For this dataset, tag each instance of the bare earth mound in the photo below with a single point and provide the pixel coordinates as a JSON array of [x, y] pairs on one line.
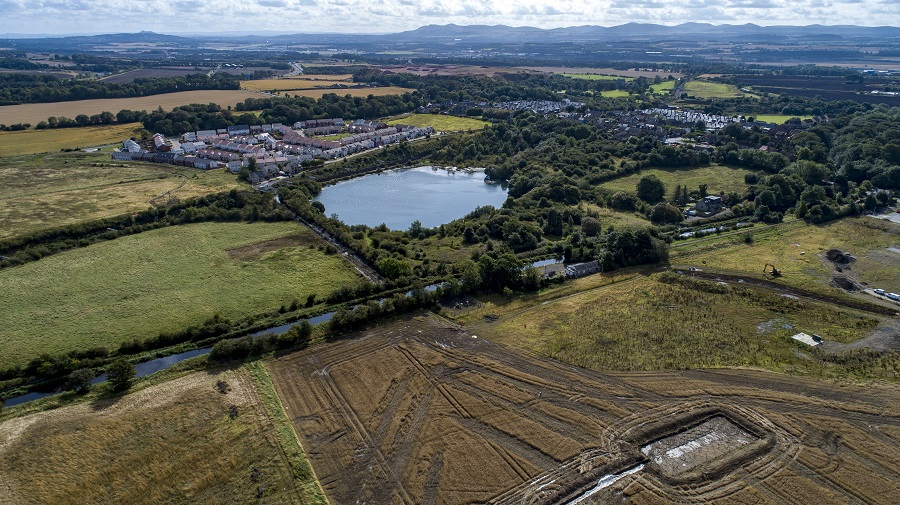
[[422, 411]]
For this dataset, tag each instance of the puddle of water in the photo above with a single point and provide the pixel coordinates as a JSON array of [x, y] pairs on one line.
[[604, 482]]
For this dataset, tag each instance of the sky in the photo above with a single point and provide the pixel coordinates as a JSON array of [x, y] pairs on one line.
[[386, 16]]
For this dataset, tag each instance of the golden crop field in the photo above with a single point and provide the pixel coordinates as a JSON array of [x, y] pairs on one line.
[[207, 437], [36, 112], [42, 141]]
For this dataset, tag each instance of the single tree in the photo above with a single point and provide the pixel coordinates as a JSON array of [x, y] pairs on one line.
[[650, 189], [590, 226], [80, 380], [119, 374]]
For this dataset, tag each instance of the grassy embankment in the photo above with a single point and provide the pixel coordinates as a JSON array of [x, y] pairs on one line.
[[173, 442], [440, 122], [45, 191], [42, 141], [159, 281], [716, 177], [36, 112]]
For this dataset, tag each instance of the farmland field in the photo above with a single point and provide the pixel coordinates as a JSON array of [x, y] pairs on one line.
[[716, 177], [605, 71], [597, 77], [42, 141], [396, 414], [154, 73], [292, 83], [828, 88], [360, 92], [36, 112], [321, 77], [662, 88], [169, 443], [615, 93], [440, 122], [45, 191], [776, 118], [705, 89], [159, 281]]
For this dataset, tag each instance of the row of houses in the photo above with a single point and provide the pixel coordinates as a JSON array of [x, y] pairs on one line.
[[235, 147], [538, 106], [226, 133], [168, 158]]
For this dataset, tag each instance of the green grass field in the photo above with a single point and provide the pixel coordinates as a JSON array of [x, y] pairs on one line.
[[775, 118], [159, 281], [440, 122], [42, 141], [44, 191], [596, 77], [716, 177], [645, 324], [796, 249], [619, 219], [615, 93], [663, 88], [705, 89]]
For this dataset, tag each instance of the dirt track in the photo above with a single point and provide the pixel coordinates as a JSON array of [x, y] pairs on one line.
[[421, 411]]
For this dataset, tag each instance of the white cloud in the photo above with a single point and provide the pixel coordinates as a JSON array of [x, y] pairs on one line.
[[381, 16]]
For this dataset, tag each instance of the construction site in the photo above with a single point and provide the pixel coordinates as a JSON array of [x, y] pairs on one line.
[[424, 411]]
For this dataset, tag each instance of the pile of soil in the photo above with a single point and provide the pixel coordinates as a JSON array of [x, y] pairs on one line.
[[837, 256], [846, 283]]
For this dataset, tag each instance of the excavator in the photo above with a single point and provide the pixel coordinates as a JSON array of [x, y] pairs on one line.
[[775, 272]]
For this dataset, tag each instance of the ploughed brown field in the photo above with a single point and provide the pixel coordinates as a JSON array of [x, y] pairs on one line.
[[423, 411]]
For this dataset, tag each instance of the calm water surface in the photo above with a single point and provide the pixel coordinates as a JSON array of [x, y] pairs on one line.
[[399, 197]]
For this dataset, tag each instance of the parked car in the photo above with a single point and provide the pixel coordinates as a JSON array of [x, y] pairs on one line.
[[894, 296], [879, 291]]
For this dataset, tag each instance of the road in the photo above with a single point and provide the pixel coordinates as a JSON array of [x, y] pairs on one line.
[[298, 70]]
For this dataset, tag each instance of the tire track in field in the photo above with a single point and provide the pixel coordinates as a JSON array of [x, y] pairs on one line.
[[340, 402], [169, 192]]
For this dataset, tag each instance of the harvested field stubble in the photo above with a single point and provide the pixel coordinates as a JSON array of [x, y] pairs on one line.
[[172, 443], [421, 411]]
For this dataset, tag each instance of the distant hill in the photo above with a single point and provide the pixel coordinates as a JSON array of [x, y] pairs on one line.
[[638, 31], [451, 34]]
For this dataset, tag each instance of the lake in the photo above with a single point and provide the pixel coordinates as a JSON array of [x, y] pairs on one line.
[[399, 197]]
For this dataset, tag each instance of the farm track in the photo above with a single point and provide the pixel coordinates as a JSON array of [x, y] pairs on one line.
[[398, 413], [790, 290], [168, 193]]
